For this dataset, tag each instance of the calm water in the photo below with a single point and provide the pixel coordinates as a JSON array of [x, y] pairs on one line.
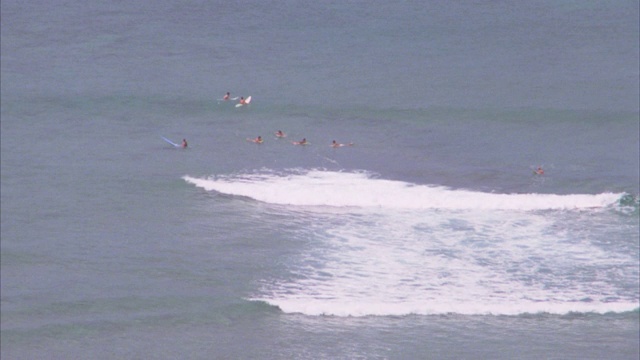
[[430, 237]]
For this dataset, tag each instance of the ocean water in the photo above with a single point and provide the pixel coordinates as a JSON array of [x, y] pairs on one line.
[[429, 238]]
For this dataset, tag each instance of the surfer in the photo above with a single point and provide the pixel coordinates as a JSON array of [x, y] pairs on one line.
[[184, 143], [242, 101], [539, 171], [280, 134], [226, 96], [335, 144], [301, 142], [257, 140]]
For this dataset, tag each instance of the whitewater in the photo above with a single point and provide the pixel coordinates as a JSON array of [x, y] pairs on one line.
[[389, 248], [359, 189]]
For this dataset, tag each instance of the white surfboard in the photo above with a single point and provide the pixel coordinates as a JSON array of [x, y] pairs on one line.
[[246, 101], [169, 141]]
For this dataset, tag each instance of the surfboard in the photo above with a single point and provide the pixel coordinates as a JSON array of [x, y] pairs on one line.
[[233, 98], [341, 145], [169, 141], [246, 101]]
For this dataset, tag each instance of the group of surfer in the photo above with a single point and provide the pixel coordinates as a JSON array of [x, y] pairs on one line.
[[241, 100], [279, 134]]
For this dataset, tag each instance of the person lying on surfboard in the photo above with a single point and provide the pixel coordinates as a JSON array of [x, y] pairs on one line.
[[184, 143], [539, 171], [226, 96], [301, 142], [335, 144], [257, 140], [280, 134]]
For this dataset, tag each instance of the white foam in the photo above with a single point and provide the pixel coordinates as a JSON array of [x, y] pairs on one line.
[[398, 248], [314, 307], [465, 263], [341, 189]]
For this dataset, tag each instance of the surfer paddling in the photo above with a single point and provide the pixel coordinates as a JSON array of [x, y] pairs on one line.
[[301, 142], [243, 101], [226, 96], [336, 144], [539, 171], [184, 143], [257, 140], [280, 134]]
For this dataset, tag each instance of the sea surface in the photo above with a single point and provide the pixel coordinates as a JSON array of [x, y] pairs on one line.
[[427, 236]]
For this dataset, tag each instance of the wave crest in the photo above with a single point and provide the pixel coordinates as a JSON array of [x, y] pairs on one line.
[[360, 189]]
